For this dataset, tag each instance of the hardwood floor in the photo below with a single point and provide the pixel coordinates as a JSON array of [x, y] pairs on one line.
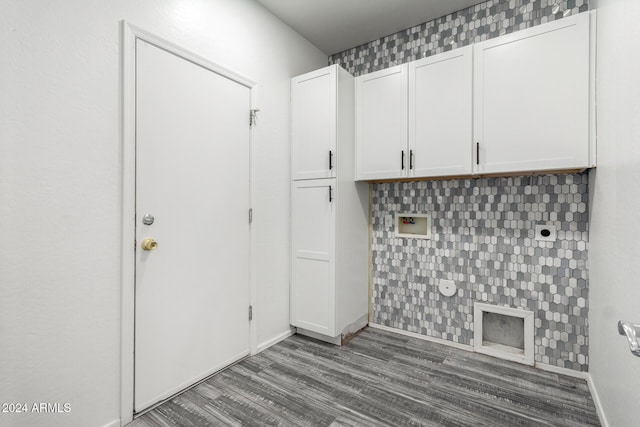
[[378, 379]]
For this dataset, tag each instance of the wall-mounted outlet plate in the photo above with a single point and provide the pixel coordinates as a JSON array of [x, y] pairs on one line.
[[413, 225], [546, 233]]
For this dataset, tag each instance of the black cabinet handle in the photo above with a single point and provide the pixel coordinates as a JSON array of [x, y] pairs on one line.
[[402, 160], [330, 159], [330, 194], [410, 159], [477, 153]]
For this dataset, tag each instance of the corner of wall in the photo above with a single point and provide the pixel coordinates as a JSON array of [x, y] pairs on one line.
[[596, 400]]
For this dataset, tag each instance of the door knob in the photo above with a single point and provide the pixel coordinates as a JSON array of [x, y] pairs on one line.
[[149, 244], [632, 332]]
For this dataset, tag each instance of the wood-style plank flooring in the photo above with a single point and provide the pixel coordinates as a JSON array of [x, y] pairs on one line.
[[378, 379]]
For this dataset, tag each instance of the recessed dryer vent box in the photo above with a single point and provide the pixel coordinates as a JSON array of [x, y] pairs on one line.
[[503, 332], [413, 225]]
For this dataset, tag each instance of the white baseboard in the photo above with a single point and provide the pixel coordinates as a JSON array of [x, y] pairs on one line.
[[541, 366], [114, 423], [596, 400], [562, 371], [275, 340], [422, 337]]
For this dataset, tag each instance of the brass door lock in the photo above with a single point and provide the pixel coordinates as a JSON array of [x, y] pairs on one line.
[[149, 244]]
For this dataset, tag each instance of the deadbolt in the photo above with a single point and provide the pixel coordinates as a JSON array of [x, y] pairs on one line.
[[149, 244], [148, 219]]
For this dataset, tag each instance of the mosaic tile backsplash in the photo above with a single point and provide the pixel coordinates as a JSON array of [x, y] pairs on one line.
[[477, 23], [483, 238]]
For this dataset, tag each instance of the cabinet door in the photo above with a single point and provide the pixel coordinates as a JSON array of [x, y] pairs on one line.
[[313, 252], [313, 124], [381, 124], [532, 98], [440, 114]]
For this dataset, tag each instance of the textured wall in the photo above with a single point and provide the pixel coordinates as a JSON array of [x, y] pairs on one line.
[[60, 171], [483, 239], [480, 22], [614, 226]]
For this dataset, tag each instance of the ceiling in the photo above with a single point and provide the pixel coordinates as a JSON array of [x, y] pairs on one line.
[[337, 25]]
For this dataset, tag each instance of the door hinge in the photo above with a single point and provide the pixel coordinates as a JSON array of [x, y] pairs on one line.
[[250, 215], [253, 116], [250, 312]]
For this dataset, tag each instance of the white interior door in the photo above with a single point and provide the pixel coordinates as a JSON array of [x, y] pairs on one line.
[[192, 176]]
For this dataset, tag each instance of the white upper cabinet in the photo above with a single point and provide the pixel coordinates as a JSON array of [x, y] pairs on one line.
[[516, 103], [440, 114], [531, 96], [381, 124], [313, 124]]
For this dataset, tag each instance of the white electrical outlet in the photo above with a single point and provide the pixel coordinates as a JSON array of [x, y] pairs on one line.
[[546, 233]]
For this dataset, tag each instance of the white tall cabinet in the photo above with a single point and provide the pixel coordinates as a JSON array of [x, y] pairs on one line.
[[329, 211]]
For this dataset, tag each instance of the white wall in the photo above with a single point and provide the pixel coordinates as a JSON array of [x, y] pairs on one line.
[[60, 193], [614, 289]]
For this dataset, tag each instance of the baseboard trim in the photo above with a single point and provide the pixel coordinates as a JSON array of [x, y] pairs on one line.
[[562, 371], [541, 366], [275, 340], [596, 400], [422, 337], [114, 423]]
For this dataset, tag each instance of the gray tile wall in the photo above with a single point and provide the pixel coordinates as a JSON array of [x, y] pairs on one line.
[[483, 238], [482, 228], [480, 22]]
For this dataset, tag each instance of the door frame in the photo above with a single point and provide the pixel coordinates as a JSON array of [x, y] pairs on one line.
[[129, 35]]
